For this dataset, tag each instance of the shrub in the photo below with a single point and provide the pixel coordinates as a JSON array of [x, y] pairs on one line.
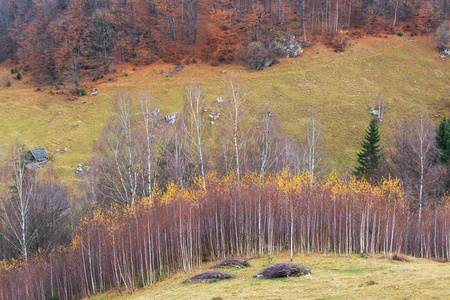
[[283, 270], [338, 41], [232, 262], [194, 60], [442, 36], [210, 276], [82, 92], [5, 81], [18, 76], [256, 56], [241, 55], [140, 280], [275, 51], [205, 255], [161, 276], [400, 33], [357, 33]]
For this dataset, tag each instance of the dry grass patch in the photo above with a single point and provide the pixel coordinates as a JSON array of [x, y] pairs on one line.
[[341, 87], [332, 277]]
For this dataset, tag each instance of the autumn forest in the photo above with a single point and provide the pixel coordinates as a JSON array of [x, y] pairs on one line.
[[165, 193], [66, 41]]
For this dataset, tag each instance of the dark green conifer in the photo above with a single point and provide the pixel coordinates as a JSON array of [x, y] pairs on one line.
[[443, 140], [369, 156]]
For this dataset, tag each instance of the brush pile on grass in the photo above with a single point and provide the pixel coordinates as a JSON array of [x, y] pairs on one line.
[[398, 257], [283, 270], [210, 276], [232, 262]]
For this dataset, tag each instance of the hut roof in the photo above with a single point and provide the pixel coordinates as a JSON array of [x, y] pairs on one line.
[[38, 154]]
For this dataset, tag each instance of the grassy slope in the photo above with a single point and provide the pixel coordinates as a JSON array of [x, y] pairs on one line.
[[339, 86], [332, 277]]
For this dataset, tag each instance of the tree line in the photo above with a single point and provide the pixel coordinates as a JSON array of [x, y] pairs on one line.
[[126, 248], [66, 41]]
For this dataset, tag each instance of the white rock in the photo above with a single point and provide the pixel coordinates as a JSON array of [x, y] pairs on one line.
[[156, 112]]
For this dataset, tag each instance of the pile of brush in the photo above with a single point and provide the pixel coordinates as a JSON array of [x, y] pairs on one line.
[[398, 257], [283, 270], [210, 276], [232, 262]]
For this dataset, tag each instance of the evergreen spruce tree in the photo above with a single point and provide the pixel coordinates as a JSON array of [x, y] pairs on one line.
[[369, 156], [443, 140]]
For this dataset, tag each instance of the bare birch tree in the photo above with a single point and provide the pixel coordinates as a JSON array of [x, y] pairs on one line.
[[313, 145], [149, 117], [194, 125], [51, 212], [381, 106], [267, 142], [414, 157], [235, 114], [119, 154], [16, 201], [175, 165], [396, 5]]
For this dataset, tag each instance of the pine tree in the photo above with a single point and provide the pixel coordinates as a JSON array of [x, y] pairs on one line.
[[369, 156], [443, 139]]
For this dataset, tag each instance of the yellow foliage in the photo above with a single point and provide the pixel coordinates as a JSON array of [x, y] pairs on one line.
[[172, 190]]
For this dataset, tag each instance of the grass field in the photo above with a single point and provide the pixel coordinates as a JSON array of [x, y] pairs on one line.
[[341, 87], [332, 277]]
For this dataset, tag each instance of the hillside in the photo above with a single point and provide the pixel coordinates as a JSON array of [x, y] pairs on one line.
[[341, 87], [332, 277]]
